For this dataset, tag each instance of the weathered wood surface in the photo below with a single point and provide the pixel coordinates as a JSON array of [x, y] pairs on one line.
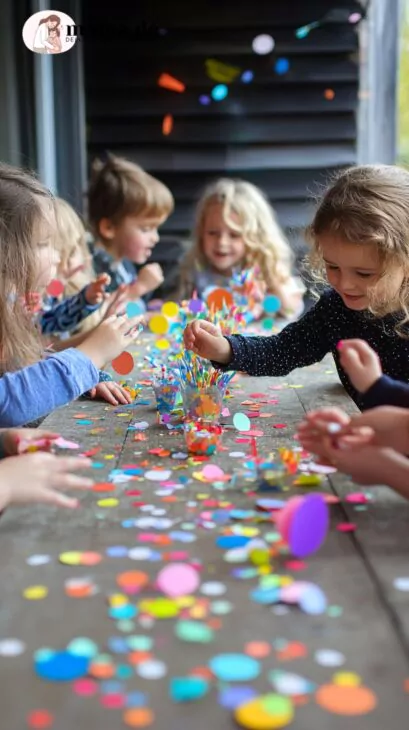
[[356, 571]]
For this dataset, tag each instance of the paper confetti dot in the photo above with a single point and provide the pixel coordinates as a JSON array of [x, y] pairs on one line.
[[40, 719], [346, 527], [194, 631], [109, 502], [265, 713], [55, 288], [329, 658], [213, 588], [11, 647], [346, 700], [258, 649], [61, 666], [133, 309], [401, 584], [153, 669], [35, 593], [138, 717], [271, 304], [158, 475], [219, 297], [158, 324], [82, 646], [170, 309], [234, 667], [186, 689], [232, 697], [263, 44], [123, 364], [241, 422], [38, 559], [178, 579], [85, 687]]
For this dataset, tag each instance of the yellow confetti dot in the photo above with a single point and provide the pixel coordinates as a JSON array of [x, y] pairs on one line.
[[170, 309], [347, 679], [35, 593], [109, 456], [162, 344], [117, 599], [108, 502], [70, 558], [158, 324], [259, 556], [185, 601], [264, 570]]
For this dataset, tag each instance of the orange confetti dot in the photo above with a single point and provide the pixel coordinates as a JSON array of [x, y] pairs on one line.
[[329, 94], [104, 487], [134, 578], [166, 81], [257, 649], [293, 650], [218, 297], [90, 558], [167, 124], [346, 700], [81, 590], [406, 685], [123, 364], [101, 671], [138, 717], [137, 657], [40, 719], [203, 672]]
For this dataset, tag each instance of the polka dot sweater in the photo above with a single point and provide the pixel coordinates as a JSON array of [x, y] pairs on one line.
[[309, 339]]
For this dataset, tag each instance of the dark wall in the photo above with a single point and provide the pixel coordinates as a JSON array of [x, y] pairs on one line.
[[279, 131]]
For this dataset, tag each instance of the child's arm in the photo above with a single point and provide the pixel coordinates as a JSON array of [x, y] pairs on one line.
[[149, 279], [36, 390], [66, 315], [299, 344], [363, 367]]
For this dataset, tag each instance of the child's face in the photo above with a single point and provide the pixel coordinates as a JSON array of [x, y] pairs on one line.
[[223, 247], [353, 270], [134, 238], [47, 255]]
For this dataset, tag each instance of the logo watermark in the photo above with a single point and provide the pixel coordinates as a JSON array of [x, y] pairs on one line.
[[50, 32]]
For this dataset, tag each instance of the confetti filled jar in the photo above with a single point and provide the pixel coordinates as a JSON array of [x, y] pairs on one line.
[[203, 403], [166, 394], [202, 437]]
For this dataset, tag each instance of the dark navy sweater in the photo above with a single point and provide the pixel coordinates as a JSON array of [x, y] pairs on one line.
[[309, 339]]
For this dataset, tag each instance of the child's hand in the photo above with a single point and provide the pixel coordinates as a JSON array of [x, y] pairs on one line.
[[388, 424], [206, 340], [110, 338], [319, 427], [35, 477], [360, 362], [112, 392], [17, 440], [366, 465], [149, 278], [95, 292], [116, 302]]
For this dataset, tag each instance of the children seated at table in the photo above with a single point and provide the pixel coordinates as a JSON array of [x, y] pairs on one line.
[[360, 249], [236, 229], [126, 206], [30, 386]]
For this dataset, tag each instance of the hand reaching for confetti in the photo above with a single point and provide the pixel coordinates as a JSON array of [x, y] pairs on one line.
[[95, 292], [47, 474], [360, 362], [111, 392], [116, 302], [18, 440], [206, 340]]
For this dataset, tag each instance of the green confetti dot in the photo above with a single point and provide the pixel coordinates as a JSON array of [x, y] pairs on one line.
[[335, 611], [126, 625], [140, 643], [194, 631], [83, 647]]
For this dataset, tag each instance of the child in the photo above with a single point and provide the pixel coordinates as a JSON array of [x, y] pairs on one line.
[[126, 206], [369, 447], [47, 473], [31, 387], [360, 237], [236, 229]]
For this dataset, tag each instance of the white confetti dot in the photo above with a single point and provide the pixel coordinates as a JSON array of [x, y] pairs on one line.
[[139, 553], [213, 588], [158, 475], [38, 559], [11, 647], [329, 658], [153, 669], [401, 584]]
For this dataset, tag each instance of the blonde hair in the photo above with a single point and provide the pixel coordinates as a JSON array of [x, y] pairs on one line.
[[119, 188], [24, 204], [368, 204], [264, 241], [71, 236]]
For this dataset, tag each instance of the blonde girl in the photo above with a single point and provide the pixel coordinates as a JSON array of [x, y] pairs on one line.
[[236, 228], [360, 249]]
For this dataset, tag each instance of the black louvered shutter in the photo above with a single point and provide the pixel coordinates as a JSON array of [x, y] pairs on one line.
[[281, 132]]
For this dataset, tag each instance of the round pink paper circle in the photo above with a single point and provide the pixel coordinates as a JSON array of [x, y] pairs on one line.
[[309, 526], [285, 516], [178, 579]]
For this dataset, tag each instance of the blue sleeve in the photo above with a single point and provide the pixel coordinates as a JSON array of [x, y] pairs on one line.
[[67, 315], [299, 344], [34, 391], [386, 392]]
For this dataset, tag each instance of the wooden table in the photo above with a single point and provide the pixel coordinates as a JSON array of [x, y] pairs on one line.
[[355, 570]]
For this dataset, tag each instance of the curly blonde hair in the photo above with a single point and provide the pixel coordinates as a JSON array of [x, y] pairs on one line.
[[368, 204], [265, 244], [25, 204]]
